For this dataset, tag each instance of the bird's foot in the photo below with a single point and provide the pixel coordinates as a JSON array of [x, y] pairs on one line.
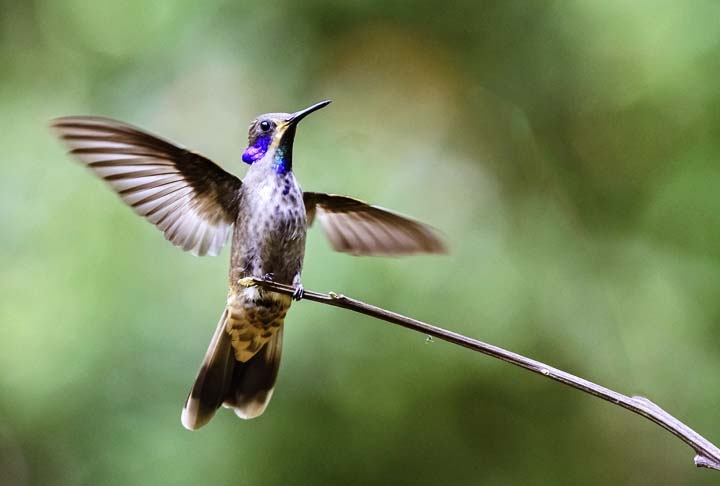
[[299, 292], [269, 277], [247, 282]]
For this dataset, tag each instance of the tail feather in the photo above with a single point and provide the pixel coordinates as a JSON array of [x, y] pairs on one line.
[[253, 382], [212, 381], [222, 380]]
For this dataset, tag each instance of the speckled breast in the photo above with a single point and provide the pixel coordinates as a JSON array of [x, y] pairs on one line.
[[269, 239]]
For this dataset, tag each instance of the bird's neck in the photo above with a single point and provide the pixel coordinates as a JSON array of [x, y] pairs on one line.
[[274, 153], [282, 159], [276, 164], [282, 155]]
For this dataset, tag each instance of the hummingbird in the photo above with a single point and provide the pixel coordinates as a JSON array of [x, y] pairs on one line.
[[198, 206]]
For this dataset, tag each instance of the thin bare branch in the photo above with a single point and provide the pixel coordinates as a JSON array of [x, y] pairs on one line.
[[707, 454]]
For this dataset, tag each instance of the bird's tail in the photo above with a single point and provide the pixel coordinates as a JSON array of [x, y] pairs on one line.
[[245, 387]]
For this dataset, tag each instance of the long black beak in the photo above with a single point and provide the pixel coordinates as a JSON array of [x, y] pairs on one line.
[[299, 115]]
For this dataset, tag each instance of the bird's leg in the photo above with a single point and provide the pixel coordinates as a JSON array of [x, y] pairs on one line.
[[250, 281], [299, 289], [299, 292]]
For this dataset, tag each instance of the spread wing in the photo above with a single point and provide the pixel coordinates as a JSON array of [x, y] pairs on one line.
[[193, 201], [355, 227]]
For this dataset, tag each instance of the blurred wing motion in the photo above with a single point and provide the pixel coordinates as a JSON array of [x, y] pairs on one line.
[[355, 227], [192, 200]]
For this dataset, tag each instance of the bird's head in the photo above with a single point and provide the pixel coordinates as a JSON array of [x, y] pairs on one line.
[[272, 135]]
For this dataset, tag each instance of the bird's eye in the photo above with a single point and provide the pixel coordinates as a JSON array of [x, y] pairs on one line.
[[265, 126]]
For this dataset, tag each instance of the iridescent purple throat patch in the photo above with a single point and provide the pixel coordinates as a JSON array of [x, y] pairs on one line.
[[256, 152]]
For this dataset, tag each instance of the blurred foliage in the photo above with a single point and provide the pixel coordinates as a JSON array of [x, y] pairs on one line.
[[567, 149]]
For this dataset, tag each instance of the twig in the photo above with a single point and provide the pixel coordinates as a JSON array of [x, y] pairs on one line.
[[707, 454]]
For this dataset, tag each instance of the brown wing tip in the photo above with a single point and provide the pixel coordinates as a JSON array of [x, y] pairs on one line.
[[437, 247], [62, 124], [56, 125], [72, 121], [435, 243]]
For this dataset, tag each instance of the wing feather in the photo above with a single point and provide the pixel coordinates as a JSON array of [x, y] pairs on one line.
[[353, 226], [192, 200]]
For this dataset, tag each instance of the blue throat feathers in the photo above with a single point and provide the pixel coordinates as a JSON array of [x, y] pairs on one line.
[[282, 159], [282, 162], [256, 151]]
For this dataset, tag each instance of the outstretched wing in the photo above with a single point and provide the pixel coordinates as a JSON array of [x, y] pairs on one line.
[[355, 227], [193, 201]]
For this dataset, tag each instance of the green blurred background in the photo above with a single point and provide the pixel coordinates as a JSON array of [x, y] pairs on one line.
[[568, 150]]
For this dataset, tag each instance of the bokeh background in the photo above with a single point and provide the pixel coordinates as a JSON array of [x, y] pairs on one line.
[[568, 151]]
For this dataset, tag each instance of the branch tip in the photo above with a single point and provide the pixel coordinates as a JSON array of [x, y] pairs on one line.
[[703, 461]]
